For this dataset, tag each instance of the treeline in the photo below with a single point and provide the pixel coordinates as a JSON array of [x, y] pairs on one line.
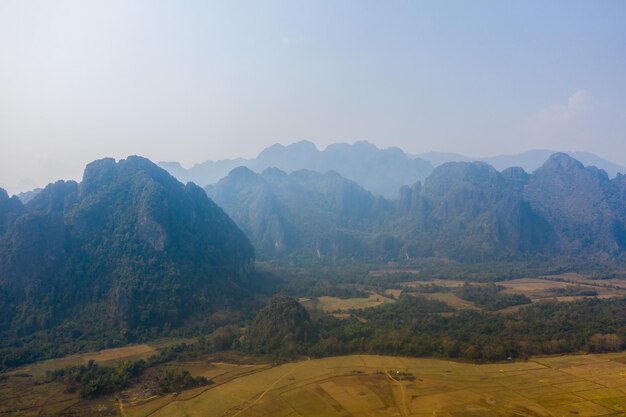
[[413, 326], [417, 326], [79, 337], [547, 328], [92, 380], [490, 296], [344, 279]]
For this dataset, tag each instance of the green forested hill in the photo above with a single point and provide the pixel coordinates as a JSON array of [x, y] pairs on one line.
[[585, 208], [466, 211], [128, 250], [303, 214]]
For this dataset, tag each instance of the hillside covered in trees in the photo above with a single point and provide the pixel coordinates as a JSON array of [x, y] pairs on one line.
[[129, 253], [465, 211]]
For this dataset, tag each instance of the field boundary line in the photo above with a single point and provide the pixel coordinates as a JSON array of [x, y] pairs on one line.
[[121, 408], [402, 393], [208, 388], [214, 385], [270, 387]]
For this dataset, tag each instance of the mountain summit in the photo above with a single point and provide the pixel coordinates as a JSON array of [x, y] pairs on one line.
[[128, 248], [380, 171], [462, 211]]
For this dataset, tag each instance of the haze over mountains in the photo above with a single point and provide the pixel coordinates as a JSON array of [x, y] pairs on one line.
[[132, 252], [529, 160], [381, 171], [302, 213], [463, 211]]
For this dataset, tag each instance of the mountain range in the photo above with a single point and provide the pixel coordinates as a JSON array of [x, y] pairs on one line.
[[462, 211], [380, 171], [130, 253], [529, 160]]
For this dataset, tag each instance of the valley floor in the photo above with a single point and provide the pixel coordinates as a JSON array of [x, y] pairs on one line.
[[357, 385], [362, 385]]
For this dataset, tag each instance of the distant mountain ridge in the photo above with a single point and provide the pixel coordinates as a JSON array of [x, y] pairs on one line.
[[381, 171], [462, 211], [529, 160]]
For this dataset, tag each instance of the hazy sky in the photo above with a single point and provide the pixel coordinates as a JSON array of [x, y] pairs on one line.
[[191, 81]]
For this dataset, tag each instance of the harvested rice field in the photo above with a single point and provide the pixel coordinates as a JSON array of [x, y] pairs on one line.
[[362, 385]]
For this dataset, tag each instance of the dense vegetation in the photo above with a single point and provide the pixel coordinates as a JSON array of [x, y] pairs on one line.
[[92, 380], [131, 254], [464, 211], [302, 215], [128, 254], [413, 326], [547, 328], [283, 326], [177, 380], [490, 297]]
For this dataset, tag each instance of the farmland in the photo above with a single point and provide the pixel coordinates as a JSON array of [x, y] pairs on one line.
[[106, 357], [25, 392], [562, 288], [357, 385], [435, 315], [342, 305], [343, 386], [362, 385]]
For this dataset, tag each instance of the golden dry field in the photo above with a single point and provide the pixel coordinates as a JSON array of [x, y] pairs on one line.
[[24, 393], [361, 385], [546, 287], [538, 289], [452, 300], [342, 305], [357, 385], [106, 357]]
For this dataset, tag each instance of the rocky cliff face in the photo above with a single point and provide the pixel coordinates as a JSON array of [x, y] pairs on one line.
[[463, 211], [305, 213], [581, 203], [128, 247], [468, 211]]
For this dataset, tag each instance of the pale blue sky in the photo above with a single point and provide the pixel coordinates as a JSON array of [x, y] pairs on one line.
[[191, 81]]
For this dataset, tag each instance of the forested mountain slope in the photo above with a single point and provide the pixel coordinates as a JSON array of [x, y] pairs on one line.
[[129, 249], [462, 211], [303, 213]]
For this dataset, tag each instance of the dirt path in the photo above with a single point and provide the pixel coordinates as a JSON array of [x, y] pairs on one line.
[[272, 385], [404, 411]]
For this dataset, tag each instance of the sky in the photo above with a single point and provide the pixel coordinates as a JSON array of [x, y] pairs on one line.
[[197, 80]]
